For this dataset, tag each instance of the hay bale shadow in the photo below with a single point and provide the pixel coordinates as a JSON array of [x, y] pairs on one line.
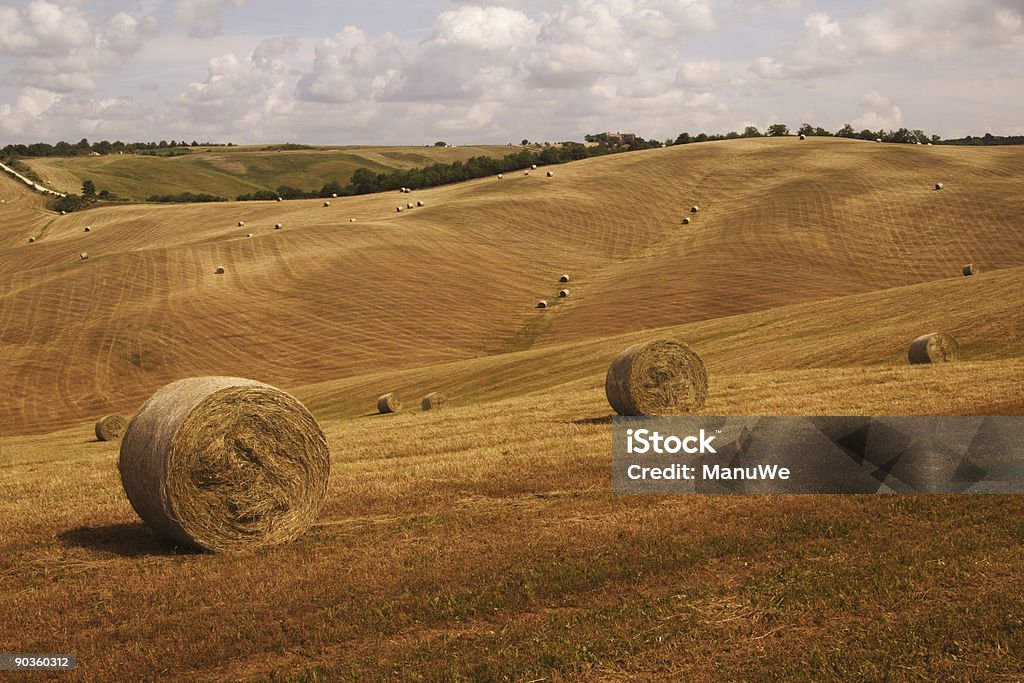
[[126, 540]]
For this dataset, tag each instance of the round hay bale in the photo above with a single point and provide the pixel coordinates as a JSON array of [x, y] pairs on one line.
[[84, 256], [563, 293], [277, 226], [542, 303], [351, 220], [878, 139], [326, 204], [63, 213], [420, 203], [939, 186], [533, 167], [280, 199], [410, 205], [937, 347], [334, 195], [88, 228], [219, 271], [501, 177], [694, 209], [564, 278], [660, 377], [551, 174], [802, 136], [249, 235], [110, 427], [435, 400], [31, 240], [526, 173], [686, 221], [969, 270], [241, 224], [398, 209], [224, 463], [388, 403]]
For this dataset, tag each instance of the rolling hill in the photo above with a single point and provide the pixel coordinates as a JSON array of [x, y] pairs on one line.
[[233, 171], [482, 542]]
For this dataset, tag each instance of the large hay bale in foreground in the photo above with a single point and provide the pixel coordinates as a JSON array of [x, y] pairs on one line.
[[969, 270], [435, 400], [660, 377], [110, 427], [224, 463], [937, 347], [388, 403]]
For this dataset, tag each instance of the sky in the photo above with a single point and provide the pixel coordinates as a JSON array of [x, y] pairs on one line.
[[498, 71]]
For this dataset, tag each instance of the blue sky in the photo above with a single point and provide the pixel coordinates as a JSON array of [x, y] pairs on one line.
[[415, 71]]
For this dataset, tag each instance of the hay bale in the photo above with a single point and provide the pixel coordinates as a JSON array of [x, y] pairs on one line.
[[533, 167], [686, 221], [564, 278], [878, 139], [334, 195], [420, 203], [224, 463], [802, 136], [542, 303], [84, 256], [219, 271], [63, 213], [501, 177], [351, 220], [969, 270], [277, 226], [563, 293], [435, 400], [398, 209], [326, 204], [388, 403], [694, 209], [280, 199], [110, 427], [410, 205], [939, 186], [660, 377], [551, 174], [31, 240], [241, 224], [249, 235], [88, 228], [937, 347], [526, 173]]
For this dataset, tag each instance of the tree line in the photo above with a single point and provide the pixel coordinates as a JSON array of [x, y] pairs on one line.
[[85, 148], [901, 136]]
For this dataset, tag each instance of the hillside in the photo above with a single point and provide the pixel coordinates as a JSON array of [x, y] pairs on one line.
[[233, 171], [482, 542]]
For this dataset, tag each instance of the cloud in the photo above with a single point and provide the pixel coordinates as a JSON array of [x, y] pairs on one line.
[[203, 17], [883, 114], [43, 27]]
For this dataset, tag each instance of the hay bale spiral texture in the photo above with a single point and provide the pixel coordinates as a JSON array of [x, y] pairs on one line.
[[224, 463], [660, 377], [937, 347], [388, 403], [110, 427], [435, 400]]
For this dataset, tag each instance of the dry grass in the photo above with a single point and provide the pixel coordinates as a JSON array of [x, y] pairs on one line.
[[481, 542]]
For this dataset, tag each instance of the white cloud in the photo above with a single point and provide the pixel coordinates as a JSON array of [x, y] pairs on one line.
[[43, 27], [203, 17]]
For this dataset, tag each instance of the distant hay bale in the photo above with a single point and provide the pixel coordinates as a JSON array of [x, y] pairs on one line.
[[563, 293], [31, 240], [224, 463], [435, 400], [501, 176], [410, 205], [937, 347], [686, 221], [694, 209], [351, 220], [564, 278], [398, 209], [241, 224], [939, 186], [542, 304], [219, 271], [280, 199], [84, 256], [88, 228], [249, 235], [660, 377], [533, 167], [969, 270], [878, 139], [326, 204], [526, 173], [802, 136], [277, 226], [420, 203], [388, 403], [334, 195], [63, 213], [110, 427], [551, 174]]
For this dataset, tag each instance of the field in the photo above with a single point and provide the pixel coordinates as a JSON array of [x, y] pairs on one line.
[[233, 171], [482, 542]]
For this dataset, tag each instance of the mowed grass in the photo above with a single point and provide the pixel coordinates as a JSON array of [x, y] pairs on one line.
[[481, 542], [230, 172]]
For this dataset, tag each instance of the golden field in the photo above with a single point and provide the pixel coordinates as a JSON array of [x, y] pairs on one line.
[[482, 542]]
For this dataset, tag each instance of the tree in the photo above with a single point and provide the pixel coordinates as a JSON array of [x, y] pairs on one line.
[[846, 132], [805, 129], [703, 137], [684, 139], [440, 143], [777, 129], [751, 132], [821, 132], [525, 142], [89, 189]]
